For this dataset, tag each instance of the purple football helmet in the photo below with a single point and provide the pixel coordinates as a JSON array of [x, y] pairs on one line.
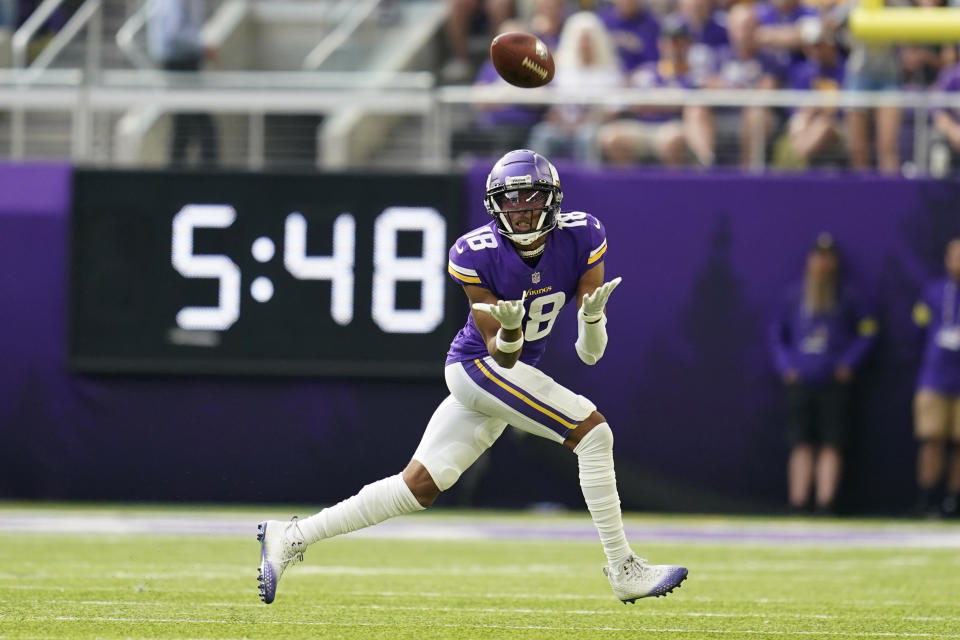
[[523, 181]]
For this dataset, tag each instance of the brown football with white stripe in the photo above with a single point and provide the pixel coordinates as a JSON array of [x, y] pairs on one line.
[[522, 59]]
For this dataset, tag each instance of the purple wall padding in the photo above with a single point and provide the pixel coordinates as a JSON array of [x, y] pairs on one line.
[[686, 383]]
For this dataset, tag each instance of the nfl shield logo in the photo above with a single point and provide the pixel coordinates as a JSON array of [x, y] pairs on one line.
[[535, 277]]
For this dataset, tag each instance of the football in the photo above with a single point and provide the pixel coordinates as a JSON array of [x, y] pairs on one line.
[[522, 59]]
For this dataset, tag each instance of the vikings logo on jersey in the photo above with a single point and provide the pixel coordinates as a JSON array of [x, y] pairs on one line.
[[484, 258]]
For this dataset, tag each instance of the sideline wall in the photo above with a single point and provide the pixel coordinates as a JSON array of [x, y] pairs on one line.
[[687, 382]]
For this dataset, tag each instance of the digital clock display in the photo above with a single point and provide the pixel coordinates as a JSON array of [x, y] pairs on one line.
[[220, 273]]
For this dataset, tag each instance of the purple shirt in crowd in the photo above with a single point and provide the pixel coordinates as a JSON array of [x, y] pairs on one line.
[[705, 45], [949, 80], [745, 73], [660, 75], [814, 345], [512, 115], [768, 15], [635, 38], [811, 75], [938, 310], [485, 258], [712, 33]]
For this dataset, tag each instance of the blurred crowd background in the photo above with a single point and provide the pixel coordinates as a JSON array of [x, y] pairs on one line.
[[611, 55], [713, 44]]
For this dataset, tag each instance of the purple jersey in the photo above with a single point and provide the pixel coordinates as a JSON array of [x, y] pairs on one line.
[[814, 345], [486, 259], [635, 37], [938, 310]]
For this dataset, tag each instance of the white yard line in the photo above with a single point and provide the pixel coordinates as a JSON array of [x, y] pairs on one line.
[[647, 629], [514, 610], [776, 532]]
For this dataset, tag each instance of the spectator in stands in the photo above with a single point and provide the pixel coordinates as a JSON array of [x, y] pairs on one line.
[[465, 17], [546, 21], [634, 31], [819, 339], [707, 33], [174, 36], [785, 26], [739, 65], [920, 67], [496, 127], [946, 123], [655, 131], [814, 133], [871, 67], [586, 61], [937, 401]]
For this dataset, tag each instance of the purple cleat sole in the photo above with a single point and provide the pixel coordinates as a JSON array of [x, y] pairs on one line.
[[668, 584]]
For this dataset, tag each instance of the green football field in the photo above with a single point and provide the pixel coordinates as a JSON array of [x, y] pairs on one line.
[[111, 572]]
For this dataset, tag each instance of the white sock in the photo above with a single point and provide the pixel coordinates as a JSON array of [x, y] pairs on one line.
[[599, 484], [374, 503]]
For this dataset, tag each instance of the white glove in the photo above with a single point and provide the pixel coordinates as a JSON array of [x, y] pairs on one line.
[[509, 313], [593, 303]]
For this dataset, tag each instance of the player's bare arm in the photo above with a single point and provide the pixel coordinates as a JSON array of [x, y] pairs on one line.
[[490, 328], [589, 282]]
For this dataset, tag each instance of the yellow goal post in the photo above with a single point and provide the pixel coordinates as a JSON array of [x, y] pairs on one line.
[[873, 22]]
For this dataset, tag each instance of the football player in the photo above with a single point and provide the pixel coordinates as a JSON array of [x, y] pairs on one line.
[[518, 271]]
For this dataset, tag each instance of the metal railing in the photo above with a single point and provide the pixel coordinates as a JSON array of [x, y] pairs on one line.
[[345, 28], [410, 94]]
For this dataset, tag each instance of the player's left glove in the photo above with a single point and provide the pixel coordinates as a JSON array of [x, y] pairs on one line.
[[593, 303], [509, 313], [592, 323]]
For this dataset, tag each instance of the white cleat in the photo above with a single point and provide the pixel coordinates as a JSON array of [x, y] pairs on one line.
[[634, 578], [281, 545]]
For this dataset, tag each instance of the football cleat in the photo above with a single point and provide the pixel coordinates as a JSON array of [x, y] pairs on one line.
[[281, 545], [634, 578]]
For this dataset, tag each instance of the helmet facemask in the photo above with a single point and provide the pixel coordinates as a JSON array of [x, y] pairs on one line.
[[524, 214]]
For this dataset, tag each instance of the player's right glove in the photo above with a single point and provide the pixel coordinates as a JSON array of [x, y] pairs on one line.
[[509, 313], [593, 303]]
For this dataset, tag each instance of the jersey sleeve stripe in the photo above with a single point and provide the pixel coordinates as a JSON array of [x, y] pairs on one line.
[[461, 270], [463, 278], [597, 253]]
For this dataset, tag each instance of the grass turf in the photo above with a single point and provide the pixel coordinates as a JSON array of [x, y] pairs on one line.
[[81, 586]]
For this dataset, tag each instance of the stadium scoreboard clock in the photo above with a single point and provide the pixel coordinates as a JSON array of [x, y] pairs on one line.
[[237, 273]]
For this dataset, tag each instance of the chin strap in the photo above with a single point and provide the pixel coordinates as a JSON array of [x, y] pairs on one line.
[[591, 337]]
